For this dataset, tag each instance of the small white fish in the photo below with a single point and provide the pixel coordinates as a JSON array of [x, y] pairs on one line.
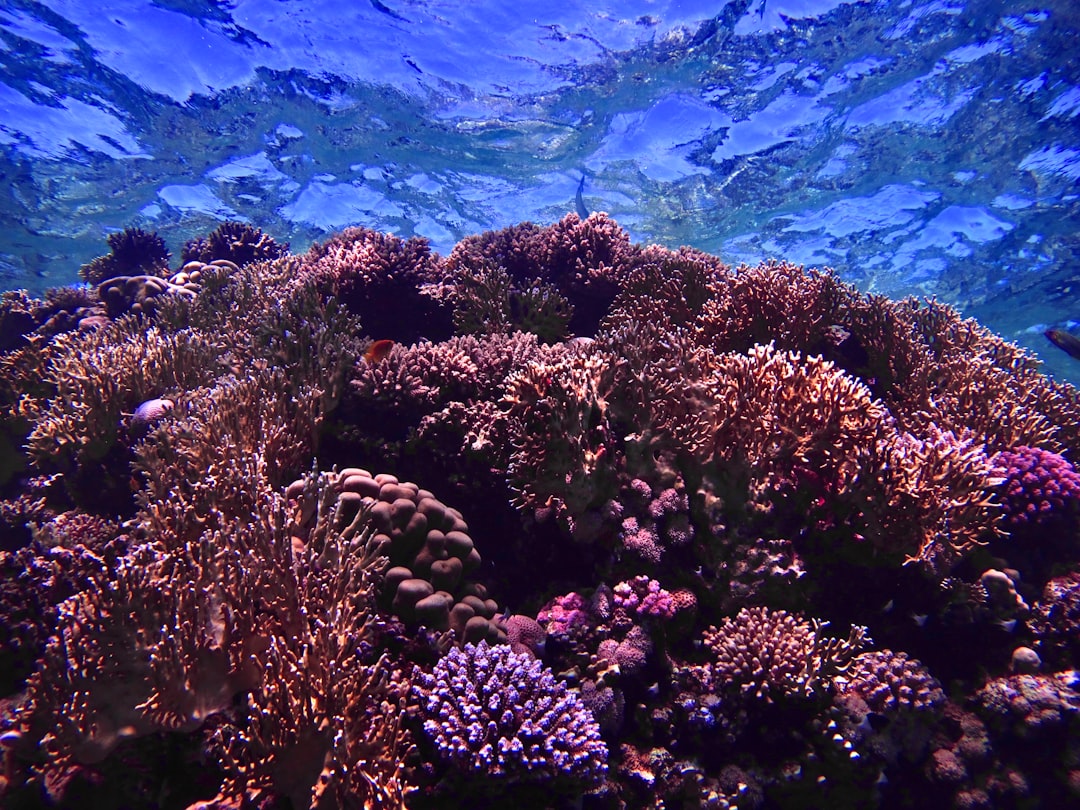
[[147, 414], [919, 619]]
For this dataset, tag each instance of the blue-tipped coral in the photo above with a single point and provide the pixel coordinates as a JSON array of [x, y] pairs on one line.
[[494, 713]]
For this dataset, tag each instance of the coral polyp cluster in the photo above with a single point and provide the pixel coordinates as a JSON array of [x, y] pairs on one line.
[[555, 520]]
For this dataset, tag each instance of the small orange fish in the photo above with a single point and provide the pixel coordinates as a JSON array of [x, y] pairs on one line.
[[1070, 344], [378, 350]]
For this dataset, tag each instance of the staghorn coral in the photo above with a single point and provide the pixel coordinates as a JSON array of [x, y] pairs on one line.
[[564, 450], [775, 302], [584, 260], [933, 499], [500, 715], [91, 379], [173, 631], [247, 621], [36, 579], [196, 470], [487, 300]]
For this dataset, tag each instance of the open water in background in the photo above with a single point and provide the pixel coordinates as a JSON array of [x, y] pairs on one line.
[[928, 148]]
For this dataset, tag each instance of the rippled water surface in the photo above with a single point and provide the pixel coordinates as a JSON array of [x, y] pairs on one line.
[[928, 148]]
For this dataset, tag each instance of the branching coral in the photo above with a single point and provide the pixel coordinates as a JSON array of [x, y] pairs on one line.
[[772, 654], [91, 379], [715, 457], [496, 714], [379, 277], [585, 261], [564, 456], [173, 632]]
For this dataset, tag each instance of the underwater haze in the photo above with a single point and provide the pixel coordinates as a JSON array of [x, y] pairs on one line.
[[927, 148]]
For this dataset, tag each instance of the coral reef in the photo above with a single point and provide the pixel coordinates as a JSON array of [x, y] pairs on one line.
[[736, 537]]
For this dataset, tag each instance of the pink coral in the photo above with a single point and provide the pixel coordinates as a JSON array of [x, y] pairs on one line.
[[569, 616], [642, 540], [645, 597], [1037, 487]]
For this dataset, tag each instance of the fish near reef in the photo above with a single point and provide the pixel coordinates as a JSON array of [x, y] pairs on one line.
[[1068, 343], [146, 415], [378, 350], [579, 201]]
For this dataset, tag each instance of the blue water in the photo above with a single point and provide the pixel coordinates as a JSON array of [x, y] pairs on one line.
[[928, 148]]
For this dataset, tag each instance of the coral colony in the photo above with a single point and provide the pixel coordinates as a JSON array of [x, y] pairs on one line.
[[555, 521]]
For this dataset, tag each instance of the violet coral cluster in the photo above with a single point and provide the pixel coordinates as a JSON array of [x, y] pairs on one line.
[[495, 713], [599, 524]]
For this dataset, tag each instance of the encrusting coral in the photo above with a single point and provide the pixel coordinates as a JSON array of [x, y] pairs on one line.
[[736, 537]]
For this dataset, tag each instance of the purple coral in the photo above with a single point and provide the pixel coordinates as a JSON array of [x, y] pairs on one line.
[[493, 712], [645, 597], [1037, 487], [642, 540]]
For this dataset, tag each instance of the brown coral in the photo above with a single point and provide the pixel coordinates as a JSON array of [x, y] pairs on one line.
[[771, 654], [91, 379], [380, 277], [430, 552]]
